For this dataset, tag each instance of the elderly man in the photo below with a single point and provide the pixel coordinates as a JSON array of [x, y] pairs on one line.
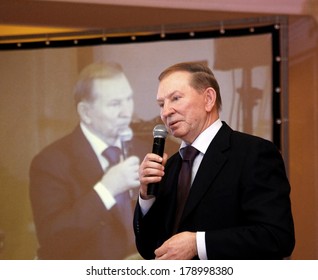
[[235, 205], [80, 185]]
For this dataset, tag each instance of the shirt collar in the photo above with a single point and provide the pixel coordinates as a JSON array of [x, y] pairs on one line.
[[202, 142], [97, 144]]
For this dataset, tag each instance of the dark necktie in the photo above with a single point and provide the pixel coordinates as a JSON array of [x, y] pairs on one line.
[[112, 154], [184, 181]]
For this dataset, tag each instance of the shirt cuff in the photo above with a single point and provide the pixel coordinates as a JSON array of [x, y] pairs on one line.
[[145, 204], [106, 197], [201, 246]]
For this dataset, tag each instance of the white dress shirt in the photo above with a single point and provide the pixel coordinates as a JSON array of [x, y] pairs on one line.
[[201, 143], [99, 146]]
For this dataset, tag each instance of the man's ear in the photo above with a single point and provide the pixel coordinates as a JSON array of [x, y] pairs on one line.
[[83, 112], [210, 99]]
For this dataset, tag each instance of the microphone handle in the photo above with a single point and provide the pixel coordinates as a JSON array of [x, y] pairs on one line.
[[126, 148], [157, 148]]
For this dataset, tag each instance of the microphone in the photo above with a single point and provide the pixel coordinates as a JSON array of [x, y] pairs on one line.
[[159, 134], [125, 137]]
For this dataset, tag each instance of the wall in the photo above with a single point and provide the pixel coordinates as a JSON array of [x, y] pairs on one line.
[[303, 134]]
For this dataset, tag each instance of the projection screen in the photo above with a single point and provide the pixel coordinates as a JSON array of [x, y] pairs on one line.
[[37, 105]]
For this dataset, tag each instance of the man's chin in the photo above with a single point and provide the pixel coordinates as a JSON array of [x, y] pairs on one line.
[[176, 133]]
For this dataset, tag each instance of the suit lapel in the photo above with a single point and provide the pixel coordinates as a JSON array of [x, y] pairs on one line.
[[87, 166], [167, 195], [211, 164]]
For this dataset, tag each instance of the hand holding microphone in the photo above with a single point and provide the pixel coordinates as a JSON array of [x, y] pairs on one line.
[[159, 134]]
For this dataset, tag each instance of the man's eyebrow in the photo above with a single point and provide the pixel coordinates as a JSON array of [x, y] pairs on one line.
[[167, 96]]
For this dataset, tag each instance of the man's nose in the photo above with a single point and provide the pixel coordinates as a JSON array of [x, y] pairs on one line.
[[166, 110]]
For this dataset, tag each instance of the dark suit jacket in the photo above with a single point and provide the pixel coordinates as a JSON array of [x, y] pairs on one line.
[[70, 218], [240, 198]]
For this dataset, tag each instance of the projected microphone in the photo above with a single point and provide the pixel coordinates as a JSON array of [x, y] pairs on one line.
[[125, 137], [159, 134]]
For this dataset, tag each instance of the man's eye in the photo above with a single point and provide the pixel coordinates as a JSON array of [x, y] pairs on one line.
[[114, 104]]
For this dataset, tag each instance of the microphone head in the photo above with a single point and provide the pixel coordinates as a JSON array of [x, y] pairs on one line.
[[126, 134], [160, 131]]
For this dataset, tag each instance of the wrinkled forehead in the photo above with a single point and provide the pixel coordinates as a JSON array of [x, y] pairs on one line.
[[116, 86], [176, 81]]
